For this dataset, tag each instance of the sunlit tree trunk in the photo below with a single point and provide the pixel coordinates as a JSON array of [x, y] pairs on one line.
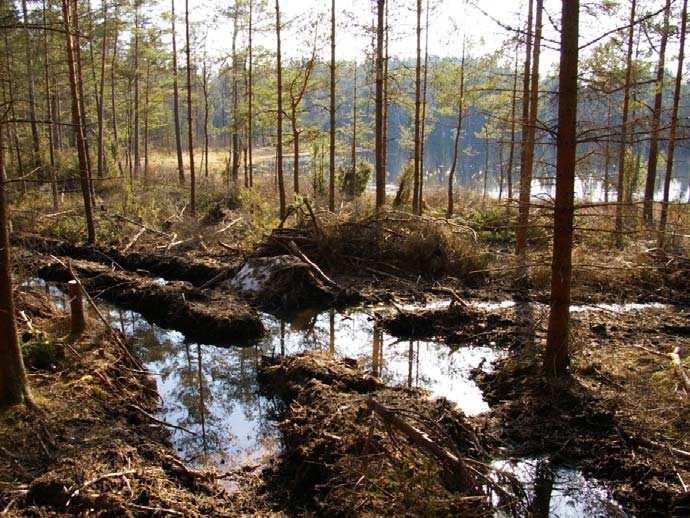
[[527, 159], [653, 155], [458, 131], [250, 98], [235, 165], [279, 124], [379, 143], [176, 98], [14, 387], [620, 198], [49, 113], [113, 106], [30, 86], [204, 89], [135, 141], [385, 95], [556, 354], [147, 107], [511, 153], [331, 148], [190, 120], [417, 113], [77, 121], [101, 92], [663, 217], [420, 197], [353, 150]]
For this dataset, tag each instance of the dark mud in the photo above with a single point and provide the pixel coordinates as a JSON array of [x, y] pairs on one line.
[[172, 267], [218, 318]]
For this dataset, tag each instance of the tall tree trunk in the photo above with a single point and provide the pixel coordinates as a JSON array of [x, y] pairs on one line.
[[353, 150], [82, 101], [458, 132], [331, 148], [101, 93], [653, 155], [69, 18], [30, 84], [235, 105], [49, 113], [607, 152], [417, 112], [13, 383], [204, 87], [147, 88], [527, 159], [176, 98], [250, 99], [663, 217], [385, 95], [420, 197], [511, 153], [295, 148], [279, 127], [113, 106], [556, 354], [379, 143], [135, 142], [190, 120], [624, 128]]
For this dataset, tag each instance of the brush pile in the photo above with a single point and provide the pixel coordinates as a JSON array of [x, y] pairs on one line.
[[353, 446]]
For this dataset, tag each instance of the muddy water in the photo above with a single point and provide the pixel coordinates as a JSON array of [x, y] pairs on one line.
[[213, 393]]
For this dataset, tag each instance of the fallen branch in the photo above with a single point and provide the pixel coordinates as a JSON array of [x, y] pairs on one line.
[[675, 363], [133, 222], [93, 481], [155, 510], [292, 246], [134, 239], [159, 421], [226, 227], [418, 437], [214, 280]]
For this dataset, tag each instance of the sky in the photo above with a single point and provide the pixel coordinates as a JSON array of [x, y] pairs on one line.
[[480, 21]]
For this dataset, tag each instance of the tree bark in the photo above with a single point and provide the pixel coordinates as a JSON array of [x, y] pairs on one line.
[[190, 120], [527, 159], [77, 120], [653, 155], [331, 148], [176, 99], [663, 217], [279, 124], [420, 197], [135, 142], [250, 98], [147, 88], [49, 113], [511, 153], [235, 105], [379, 142], [101, 93], [417, 112], [620, 195], [30, 86], [13, 383], [458, 132], [353, 150], [556, 354]]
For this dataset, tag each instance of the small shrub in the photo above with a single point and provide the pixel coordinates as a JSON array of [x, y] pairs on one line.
[[39, 352]]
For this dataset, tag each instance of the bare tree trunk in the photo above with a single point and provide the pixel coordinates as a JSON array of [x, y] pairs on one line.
[[204, 88], [30, 85], [458, 132], [49, 114], [353, 151], [607, 153], [379, 145], [417, 112], [13, 383], [69, 17], [420, 197], [190, 120], [385, 95], [135, 142], [624, 128], [176, 99], [250, 100], [511, 154], [235, 106], [101, 93], [279, 128], [113, 108], [527, 159], [663, 217], [295, 148], [652, 158], [147, 87], [556, 355], [331, 148]]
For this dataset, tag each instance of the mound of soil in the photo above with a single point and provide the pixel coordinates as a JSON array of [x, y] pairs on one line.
[[344, 458], [216, 318]]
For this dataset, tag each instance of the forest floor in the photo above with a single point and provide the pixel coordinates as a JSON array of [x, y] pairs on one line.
[[621, 417]]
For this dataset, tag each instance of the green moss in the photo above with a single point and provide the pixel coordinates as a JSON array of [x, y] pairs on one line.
[[39, 351]]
